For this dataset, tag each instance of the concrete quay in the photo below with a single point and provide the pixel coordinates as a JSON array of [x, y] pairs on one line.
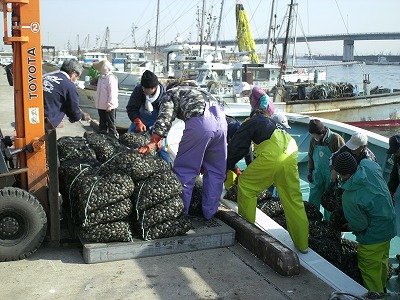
[[60, 272]]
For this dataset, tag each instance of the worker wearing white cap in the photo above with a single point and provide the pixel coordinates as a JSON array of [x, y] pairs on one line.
[[281, 119], [357, 146]]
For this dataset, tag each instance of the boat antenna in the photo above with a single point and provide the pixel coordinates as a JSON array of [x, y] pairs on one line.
[[218, 30], [283, 62], [155, 43], [202, 26], [267, 59]]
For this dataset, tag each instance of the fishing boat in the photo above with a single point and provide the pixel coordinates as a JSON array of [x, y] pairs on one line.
[[183, 59], [366, 107], [313, 261], [94, 56], [62, 56], [130, 63]]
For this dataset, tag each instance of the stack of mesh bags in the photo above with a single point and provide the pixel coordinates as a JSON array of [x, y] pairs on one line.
[[159, 207], [97, 201], [104, 146]]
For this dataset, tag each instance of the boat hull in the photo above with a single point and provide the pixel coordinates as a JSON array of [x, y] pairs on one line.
[[87, 99], [371, 110]]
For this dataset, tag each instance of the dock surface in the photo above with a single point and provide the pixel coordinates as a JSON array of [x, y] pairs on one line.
[[60, 271]]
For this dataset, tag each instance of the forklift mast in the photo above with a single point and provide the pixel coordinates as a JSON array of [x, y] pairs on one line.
[[23, 32]]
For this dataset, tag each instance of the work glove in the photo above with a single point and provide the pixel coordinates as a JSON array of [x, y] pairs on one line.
[[140, 127], [238, 172], [85, 116], [309, 176], [155, 141]]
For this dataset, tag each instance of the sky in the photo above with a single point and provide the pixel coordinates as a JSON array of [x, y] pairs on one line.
[[133, 22]]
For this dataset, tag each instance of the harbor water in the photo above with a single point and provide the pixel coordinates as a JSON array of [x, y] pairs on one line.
[[385, 76]]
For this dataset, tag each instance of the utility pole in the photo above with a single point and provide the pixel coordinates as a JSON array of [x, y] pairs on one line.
[[155, 43]]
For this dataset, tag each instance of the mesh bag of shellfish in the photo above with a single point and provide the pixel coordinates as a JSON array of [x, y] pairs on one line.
[[74, 147], [167, 210], [156, 189], [338, 220], [271, 207], [94, 192], [168, 228], [325, 240], [232, 192], [119, 231], [114, 212], [137, 166], [312, 211], [69, 171], [195, 208], [103, 145], [135, 140]]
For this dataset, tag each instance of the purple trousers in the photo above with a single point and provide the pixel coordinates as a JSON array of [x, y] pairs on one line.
[[203, 144]]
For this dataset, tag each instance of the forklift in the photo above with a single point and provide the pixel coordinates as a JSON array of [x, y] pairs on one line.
[[29, 192]]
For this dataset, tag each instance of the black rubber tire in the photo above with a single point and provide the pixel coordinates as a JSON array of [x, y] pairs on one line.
[[23, 224]]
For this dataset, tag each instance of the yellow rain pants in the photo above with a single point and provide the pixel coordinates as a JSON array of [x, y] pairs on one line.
[[373, 264], [230, 179], [276, 163]]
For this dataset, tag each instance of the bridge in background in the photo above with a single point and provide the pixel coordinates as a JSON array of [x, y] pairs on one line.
[[348, 40]]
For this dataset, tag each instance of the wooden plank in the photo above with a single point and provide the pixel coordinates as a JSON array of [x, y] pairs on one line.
[[204, 235]]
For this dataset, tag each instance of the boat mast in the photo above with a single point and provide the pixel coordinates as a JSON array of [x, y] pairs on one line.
[[218, 30], [283, 62], [202, 26], [155, 43], [267, 55]]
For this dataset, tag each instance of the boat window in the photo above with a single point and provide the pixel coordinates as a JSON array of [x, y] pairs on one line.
[[261, 75]]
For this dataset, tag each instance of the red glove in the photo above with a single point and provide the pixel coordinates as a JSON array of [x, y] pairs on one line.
[[140, 127], [309, 177], [238, 172], [155, 140]]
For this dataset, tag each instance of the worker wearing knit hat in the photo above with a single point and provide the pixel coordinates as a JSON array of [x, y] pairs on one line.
[[149, 80], [369, 211], [144, 105], [345, 164], [323, 143]]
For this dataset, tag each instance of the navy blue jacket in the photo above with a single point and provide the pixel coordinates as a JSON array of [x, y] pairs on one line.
[[60, 98]]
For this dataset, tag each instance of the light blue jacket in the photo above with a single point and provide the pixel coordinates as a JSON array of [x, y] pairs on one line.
[[367, 205]]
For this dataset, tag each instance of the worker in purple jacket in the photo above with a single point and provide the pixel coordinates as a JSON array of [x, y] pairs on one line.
[[61, 95]]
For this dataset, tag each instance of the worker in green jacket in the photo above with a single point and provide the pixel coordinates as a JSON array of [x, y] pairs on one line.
[[369, 210]]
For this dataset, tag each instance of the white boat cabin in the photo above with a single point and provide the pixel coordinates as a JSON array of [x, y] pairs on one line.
[[91, 57]]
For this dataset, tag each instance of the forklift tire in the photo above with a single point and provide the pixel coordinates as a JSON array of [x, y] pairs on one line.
[[23, 224]]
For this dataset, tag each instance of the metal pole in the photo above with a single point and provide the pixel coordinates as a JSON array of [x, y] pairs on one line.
[[202, 26], [155, 43], [218, 30], [267, 60]]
